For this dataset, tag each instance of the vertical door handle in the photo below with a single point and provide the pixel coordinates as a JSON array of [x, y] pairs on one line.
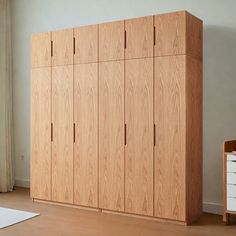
[[74, 132], [74, 45], [154, 36], [125, 135], [125, 38], [51, 132], [154, 134], [51, 48]]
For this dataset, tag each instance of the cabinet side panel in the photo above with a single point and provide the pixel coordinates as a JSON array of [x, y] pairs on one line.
[[194, 138], [41, 133], [194, 42]]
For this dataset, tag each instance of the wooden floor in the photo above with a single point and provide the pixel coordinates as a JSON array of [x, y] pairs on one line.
[[64, 221]]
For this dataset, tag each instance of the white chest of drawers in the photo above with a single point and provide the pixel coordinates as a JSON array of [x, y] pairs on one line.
[[231, 182], [229, 179]]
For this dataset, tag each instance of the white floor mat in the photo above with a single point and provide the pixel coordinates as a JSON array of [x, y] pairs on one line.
[[10, 216]]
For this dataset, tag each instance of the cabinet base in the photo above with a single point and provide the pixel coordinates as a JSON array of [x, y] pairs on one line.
[[111, 212]]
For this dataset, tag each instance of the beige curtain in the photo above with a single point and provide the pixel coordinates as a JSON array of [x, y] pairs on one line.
[[6, 127]]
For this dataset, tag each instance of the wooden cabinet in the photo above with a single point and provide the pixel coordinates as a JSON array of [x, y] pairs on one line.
[[116, 116], [86, 133], [41, 50], [111, 41], [177, 34], [139, 136], [139, 37], [41, 133], [111, 135], [62, 134], [86, 44], [169, 151], [62, 47]]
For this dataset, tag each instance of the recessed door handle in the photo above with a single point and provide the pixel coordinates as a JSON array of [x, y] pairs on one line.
[[125, 134], [51, 132], [154, 135]]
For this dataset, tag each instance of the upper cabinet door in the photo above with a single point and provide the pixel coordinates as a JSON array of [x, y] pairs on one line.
[[86, 44], [86, 134], [139, 37], [178, 33], [62, 138], [170, 34], [41, 133], [111, 41], [169, 151], [139, 136], [111, 135], [41, 50], [62, 47]]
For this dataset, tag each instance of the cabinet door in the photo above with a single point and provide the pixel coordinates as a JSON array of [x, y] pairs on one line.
[[139, 37], [139, 136], [169, 151], [86, 44], [41, 133], [170, 34], [111, 135], [62, 47], [41, 50], [62, 145], [86, 132], [111, 41]]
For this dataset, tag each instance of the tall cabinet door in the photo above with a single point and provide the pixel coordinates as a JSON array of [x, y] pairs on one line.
[[41, 133], [139, 136], [86, 132], [111, 135], [139, 37], [170, 137], [62, 134]]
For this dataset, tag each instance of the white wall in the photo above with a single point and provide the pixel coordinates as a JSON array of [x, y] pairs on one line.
[[219, 68]]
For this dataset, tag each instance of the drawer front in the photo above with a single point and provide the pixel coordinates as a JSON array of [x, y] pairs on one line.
[[231, 166], [231, 190], [231, 204], [231, 178], [231, 157]]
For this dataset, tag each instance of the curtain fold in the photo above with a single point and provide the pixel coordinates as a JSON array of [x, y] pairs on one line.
[[6, 119]]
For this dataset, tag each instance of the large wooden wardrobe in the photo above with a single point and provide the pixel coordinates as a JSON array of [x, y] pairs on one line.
[[116, 117]]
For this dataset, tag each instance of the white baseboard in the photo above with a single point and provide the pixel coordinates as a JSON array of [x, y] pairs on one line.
[[214, 208], [22, 183]]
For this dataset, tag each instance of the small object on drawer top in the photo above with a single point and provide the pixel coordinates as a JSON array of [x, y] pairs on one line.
[[234, 152]]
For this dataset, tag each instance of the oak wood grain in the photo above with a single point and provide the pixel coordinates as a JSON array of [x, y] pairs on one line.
[[193, 139], [41, 49], [86, 134], [169, 152], [62, 47], [111, 41], [139, 148], [86, 44], [41, 133], [170, 34], [139, 37], [62, 145], [111, 135]]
